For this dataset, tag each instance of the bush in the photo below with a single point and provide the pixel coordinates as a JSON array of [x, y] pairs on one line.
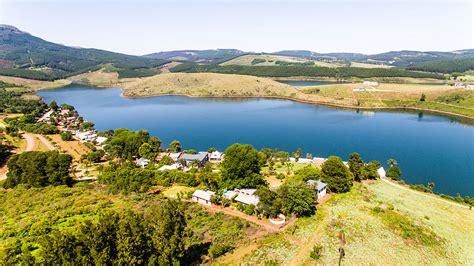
[[315, 254], [66, 136]]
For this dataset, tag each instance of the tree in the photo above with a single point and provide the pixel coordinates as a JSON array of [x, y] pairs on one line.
[[269, 204], [87, 125], [394, 172], [392, 162], [356, 165], [241, 167], [297, 154], [175, 146], [306, 173], [39, 169], [369, 171], [211, 150], [146, 151], [423, 97], [53, 105], [336, 175], [166, 160], [66, 135], [297, 198], [170, 232], [155, 144]]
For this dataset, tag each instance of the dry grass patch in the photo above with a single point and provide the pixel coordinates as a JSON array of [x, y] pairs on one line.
[[75, 148]]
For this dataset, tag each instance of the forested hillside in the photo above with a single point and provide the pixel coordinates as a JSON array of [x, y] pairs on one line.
[[445, 66], [24, 55], [309, 71]]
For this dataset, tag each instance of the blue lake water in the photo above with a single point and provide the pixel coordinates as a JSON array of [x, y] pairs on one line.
[[427, 147], [304, 83]]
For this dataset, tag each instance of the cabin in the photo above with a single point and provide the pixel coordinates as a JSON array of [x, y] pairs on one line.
[[305, 160], [244, 195], [200, 158], [203, 197], [359, 89], [142, 162], [216, 156], [319, 186], [175, 156], [381, 172]]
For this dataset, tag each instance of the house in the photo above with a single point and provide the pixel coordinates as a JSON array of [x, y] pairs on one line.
[[304, 160], [243, 195], [203, 197], [381, 172], [319, 186], [87, 136], [319, 160], [359, 89], [459, 85], [216, 156], [370, 83], [142, 162], [100, 140], [175, 156], [469, 87], [175, 166], [200, 158]]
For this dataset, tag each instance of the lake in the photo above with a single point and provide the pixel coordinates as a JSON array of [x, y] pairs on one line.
[[427, 147]]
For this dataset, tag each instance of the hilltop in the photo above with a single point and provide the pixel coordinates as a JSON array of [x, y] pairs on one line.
[[24, 55]]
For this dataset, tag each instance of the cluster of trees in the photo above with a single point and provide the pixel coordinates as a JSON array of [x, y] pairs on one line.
[[445, 66], [28, 123], [13, 102], [124, 238], [38, 169], [309, 71], [241, 167], [126, 145]]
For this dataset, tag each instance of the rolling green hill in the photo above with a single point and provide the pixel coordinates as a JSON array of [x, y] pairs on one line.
[[445, 66], [24, 55]]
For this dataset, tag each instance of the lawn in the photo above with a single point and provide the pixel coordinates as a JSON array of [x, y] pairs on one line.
[[172, 192]]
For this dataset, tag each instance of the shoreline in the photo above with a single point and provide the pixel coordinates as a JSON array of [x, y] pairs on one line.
[[393, 108]]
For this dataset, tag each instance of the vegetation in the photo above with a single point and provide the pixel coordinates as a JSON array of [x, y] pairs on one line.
[[13, 102], [336, 175], [445, 66], [39, 169], [241, 167], [125, 144], [293, 71]]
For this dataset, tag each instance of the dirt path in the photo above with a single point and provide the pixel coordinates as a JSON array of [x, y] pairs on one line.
[[425, 194], [30, 142], [46, 142]]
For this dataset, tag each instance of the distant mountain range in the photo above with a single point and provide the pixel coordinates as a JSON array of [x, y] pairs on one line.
[[24, 55]]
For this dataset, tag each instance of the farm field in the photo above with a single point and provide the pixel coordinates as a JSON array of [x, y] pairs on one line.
[[271, 60]]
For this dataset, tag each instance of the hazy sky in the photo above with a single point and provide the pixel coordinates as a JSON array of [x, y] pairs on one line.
[[141, 27]]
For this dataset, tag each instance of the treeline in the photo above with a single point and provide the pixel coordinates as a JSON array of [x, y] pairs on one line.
[[309, 71], [445, 66], [13, 102], [38, 169]]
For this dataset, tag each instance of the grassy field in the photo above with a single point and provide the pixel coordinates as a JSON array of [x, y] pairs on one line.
[[376, 224], [270, 60], [172, 192], [32, 84], [75, 148]]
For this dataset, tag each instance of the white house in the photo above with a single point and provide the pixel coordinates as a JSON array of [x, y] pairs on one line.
[[359, 89], [203, 197], [319, 186], [304, 160], [87, 136], [215, 156], [243, 195], [370, 83], [175, 156], [319, 160], [470, 87], [100, 140], [175, 166], [142, 162], [381, 172]]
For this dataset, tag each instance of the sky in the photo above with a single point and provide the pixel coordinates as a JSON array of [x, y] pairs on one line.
[[142, 27]]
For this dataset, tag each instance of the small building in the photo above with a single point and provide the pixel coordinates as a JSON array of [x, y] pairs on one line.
[[200, 158], [216, 156], [381, 172], [175, 156], [175, 166], [469, 87], [243, 195], [319, 160], [459, 85], [87, 136], [142, 162], [203, 197], [370, 83], [319, 186], [100, 140], [305, 160], [359, 89]]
